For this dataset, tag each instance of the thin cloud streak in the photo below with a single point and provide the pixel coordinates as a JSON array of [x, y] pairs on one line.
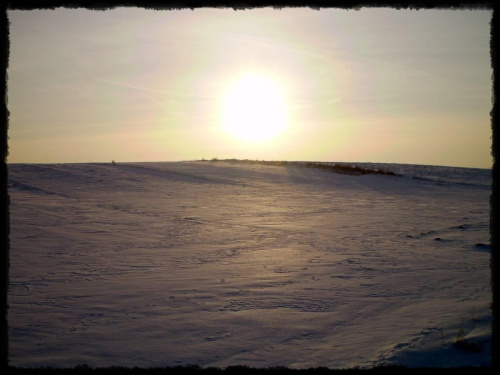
[[171, 96]]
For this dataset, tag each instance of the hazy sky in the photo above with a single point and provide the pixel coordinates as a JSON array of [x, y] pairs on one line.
[[129, 84]]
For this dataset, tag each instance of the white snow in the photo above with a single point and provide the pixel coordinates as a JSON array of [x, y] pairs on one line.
[[220, 264]]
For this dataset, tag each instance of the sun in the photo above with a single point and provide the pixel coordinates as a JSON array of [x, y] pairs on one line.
[[254, 109]]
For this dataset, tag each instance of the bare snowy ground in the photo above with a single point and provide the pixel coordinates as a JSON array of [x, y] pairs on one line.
[[219, 264]]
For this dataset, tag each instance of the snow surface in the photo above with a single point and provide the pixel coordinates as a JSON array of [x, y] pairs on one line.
[[220, 264]]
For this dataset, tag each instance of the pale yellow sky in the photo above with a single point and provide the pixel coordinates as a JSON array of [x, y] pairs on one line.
[[128, 84]]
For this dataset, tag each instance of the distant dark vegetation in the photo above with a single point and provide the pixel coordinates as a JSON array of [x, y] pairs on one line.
[[332, 167]]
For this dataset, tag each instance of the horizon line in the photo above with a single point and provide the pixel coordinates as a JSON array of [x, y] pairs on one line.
[[215, 159]]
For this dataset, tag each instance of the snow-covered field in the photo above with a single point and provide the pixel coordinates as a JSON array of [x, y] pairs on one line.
[[220, 264]]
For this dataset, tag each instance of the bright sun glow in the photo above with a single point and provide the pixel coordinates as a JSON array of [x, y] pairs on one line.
[[254, 110]]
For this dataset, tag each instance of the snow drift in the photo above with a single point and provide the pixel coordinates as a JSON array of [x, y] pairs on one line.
[[227, 263]]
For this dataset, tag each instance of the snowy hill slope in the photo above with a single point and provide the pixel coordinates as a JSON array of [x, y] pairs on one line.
[[219, 264]]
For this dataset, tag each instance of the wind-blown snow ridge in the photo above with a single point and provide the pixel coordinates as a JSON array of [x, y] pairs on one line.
[[342, 168], [222, 264]]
